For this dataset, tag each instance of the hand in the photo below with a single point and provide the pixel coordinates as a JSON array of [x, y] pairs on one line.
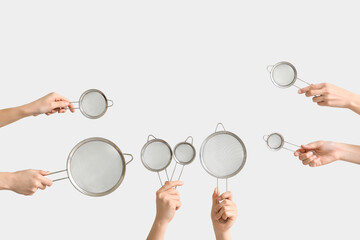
[[318, 153], [50, 104], [167, 202], [325, 94], [223, 214], [27, 182]]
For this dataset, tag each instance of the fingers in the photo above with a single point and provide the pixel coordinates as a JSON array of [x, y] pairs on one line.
[[215, 196], [311, 87], [45, 181], [306, 155], [318, 99], [224, 203], [61, 105], [44, 173], [169, 185], [312, 146], [225, 195]]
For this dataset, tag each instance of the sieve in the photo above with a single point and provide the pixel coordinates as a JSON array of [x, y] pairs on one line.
[[223, 154], [95, 167], [93, 103], [284, 75], [275, 141], [156, 155], [184, 154]]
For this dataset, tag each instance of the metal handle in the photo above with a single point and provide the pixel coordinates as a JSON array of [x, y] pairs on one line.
[[190, 137], [222, 221], [219, 124], [148, 139], [132, 158], [77, 103], [112, 103], [269, 67], [58, 179], [303, 82]]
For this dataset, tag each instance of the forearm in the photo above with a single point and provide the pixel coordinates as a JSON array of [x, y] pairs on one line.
[[157, 231], [11, 115], [223, 235], [355, 103], [349, 153], [5, 181]]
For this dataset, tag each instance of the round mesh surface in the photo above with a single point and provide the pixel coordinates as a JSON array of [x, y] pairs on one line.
[[156, 156], [283, 75], [93, 104], [184, 153], [223, 155], [96, 167], [275, 141]]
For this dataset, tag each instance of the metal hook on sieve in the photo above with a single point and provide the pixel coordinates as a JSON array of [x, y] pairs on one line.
[[269, 67], [112, 103], [190, 137], [220, 124], [148, 139], [132, 158], [265, 137]]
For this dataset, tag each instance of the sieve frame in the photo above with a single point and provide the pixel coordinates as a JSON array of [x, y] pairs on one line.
[[216, 134], [146, 145], [271, 71], [90, 91], [266, 138], [80, 144], [177, 160]]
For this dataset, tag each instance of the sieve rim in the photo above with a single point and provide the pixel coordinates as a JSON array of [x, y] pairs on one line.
[[282, 141], [186, 163], [82, 98], [143, 151], [202, 153], [82, 143], [272, 77]]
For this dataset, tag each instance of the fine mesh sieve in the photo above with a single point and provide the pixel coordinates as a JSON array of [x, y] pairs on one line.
[[284, 75], [93, 103], [156, 155], [275, 141], [95, 167], [223, 154], [184, 154]]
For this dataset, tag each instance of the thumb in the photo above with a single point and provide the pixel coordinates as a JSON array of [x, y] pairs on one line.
[[44, 173], [313, 145], [214, 196]]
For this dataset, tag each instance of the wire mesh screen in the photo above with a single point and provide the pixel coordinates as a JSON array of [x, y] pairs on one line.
[[223, 155], [275, 141], [96, 167], [156, 156], [184, 153], [283, 75], [93, 104]]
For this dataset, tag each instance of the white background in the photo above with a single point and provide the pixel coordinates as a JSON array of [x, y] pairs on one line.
[[174, 69]]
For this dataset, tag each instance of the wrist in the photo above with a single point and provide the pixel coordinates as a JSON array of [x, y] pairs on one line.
[[160, 224], [223, 235], [354, 104], [6, 180], [26, 110]]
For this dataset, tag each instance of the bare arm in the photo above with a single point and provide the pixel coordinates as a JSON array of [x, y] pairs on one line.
[[167, 203], [48, 105], [25, 182], [325, 94], [324, 152]]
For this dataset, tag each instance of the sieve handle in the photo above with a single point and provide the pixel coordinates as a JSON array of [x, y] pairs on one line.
[[303, 82], [269, 67], [77, 102], [112, 103], [222, 221], [132, 157], [191, 138], [148, 139], [58, 179], [217, 126]]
